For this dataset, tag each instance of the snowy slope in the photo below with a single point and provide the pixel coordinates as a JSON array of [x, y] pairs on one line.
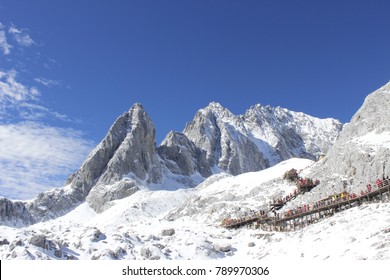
[[133, 228]]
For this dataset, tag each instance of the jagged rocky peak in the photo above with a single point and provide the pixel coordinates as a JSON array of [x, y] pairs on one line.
[[203, 130], [224, 138], [137, 152], [133, 161], [217, 109], [129, 146]]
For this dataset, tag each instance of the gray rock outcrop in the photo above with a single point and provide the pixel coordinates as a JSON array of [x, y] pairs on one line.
[[100, 196], [225, 140], [14, 212], [136, 152], [182, 157]]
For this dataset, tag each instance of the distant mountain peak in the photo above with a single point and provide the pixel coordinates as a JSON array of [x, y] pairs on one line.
[[214, 104], [136, 107], [215, 109]]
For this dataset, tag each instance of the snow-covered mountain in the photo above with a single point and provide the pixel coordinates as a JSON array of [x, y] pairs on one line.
[[216, 140], [131, 210], [262, 137]]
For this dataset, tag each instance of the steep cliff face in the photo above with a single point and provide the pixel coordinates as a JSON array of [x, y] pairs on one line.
[[14, 213], [136, 152], [181, 156], [361, 154], [133, 155]]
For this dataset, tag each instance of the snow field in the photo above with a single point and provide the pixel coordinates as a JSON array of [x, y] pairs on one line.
[[133, 228]]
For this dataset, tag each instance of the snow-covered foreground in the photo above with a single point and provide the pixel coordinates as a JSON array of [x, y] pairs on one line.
[[184, 224]]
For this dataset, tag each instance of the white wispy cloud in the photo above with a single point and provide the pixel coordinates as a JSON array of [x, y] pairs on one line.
[[13, 90], [21, 36], [35, 157], [23, 100], [5, 47], [13, 94], [47, 82]]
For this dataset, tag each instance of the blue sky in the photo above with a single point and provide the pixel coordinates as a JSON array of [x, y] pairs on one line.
[[68, 69]]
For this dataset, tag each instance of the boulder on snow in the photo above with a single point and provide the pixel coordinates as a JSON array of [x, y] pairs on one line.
[[15, 243], [168, 232], [4, 242], [58, 253], [38, 240], [223, 247], [97, 236], [145, 252]]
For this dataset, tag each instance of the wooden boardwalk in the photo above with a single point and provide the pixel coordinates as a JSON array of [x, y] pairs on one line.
[[303, 216]]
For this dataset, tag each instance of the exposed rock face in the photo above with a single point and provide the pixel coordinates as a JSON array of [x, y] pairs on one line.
[[224, 138], [182, 157], [14, 212], [136, 152], [361, 154], [100, 196]]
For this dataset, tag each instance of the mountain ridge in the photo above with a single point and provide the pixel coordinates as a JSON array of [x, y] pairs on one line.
[[216, 140]]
